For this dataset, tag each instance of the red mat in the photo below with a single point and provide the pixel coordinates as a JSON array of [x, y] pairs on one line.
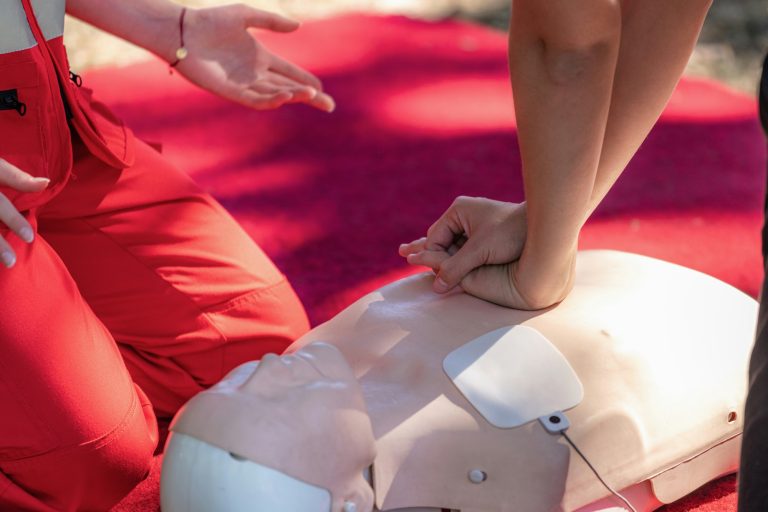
[[424, 115]]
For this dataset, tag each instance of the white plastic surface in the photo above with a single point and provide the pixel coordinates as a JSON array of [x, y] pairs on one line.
[[514, 375], [199, 477]]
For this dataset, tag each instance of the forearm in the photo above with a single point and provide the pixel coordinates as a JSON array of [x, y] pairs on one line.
[[656, 42], [562, 97], [151, 24]]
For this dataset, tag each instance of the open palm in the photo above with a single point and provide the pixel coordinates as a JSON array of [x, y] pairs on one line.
[[225, 58]]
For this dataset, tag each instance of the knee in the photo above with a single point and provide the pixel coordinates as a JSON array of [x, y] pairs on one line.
[[112, 466], [80, 479], [578, 38], [92, 475], [114, 470]]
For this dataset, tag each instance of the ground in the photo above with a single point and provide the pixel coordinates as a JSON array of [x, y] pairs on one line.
[[731, 47]]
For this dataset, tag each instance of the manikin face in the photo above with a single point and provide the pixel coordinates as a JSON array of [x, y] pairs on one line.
[[316, 374], [301, 414]]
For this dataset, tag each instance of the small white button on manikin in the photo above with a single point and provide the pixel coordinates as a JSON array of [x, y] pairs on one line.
[[477, 476], [350, 506]]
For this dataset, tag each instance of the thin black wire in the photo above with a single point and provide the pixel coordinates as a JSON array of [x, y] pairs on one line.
[[614, 492]]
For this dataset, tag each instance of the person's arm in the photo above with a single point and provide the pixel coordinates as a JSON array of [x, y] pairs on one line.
[[562, 61], [223, 56], [657, 38], [150, 24]]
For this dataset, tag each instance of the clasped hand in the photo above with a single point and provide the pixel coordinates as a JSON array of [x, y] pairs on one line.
[[479, 245]]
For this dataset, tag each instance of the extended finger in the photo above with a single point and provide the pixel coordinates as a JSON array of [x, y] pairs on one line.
[[17, 179], [260, 101], [412, 247], [256, 18], [431, 259], [294, 72], [14, 220], [312, 97], [7, 256], [323, 101], [299, 92], [303, 93]]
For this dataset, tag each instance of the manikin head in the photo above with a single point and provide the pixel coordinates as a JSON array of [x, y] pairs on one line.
[[288, 433]]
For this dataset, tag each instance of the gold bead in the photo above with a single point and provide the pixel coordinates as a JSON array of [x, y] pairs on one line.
[[182, 53]]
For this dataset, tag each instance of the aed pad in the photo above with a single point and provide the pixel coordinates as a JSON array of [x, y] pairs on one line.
[[514, 375]]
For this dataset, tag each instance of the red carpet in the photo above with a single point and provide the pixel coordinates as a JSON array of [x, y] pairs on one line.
[[425, 115]]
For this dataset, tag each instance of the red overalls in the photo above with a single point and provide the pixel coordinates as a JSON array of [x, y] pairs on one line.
[[138, 292]]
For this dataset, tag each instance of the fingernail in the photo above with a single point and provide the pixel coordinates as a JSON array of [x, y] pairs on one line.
[[332, 106], [27, 234], [42, 180], [440, 285], [9, 259]]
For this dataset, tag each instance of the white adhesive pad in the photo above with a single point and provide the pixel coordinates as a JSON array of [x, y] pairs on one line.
[[513, 375]]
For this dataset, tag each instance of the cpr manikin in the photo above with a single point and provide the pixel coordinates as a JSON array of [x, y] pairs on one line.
[[642, 367]]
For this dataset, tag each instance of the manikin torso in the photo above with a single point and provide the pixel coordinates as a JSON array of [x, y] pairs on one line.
[[658, 353]]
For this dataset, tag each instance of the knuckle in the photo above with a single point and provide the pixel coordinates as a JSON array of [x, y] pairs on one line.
[[432, 230], [242, 9], [462, 200], [481, 256]]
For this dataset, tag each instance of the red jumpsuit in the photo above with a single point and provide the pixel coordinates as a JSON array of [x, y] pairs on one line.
[[138, 291]]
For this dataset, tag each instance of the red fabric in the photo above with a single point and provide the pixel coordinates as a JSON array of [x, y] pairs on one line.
[[139, 292], [39, 141], [425, 115], [137, 283]]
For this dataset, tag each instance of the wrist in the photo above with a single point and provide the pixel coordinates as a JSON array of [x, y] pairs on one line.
[[540, 263], [544, 279], [549, 245], [160, 31], [181, 52]]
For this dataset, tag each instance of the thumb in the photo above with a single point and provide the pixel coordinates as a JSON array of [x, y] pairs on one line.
[[469, 257], [256, 18]]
